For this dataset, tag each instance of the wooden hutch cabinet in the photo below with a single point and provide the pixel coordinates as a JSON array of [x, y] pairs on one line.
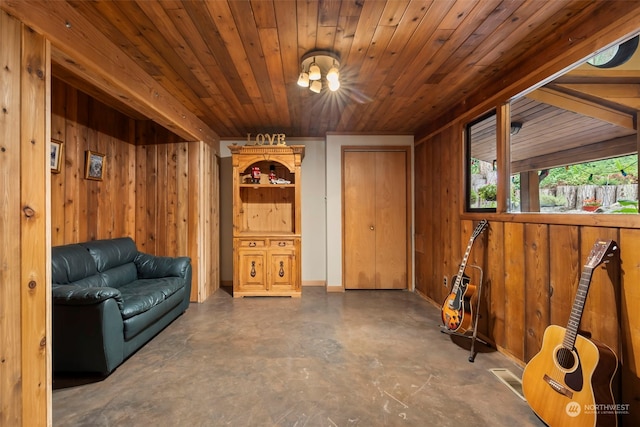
[[266, 220]]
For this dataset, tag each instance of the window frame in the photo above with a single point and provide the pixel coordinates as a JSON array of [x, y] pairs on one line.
[[467, 161]]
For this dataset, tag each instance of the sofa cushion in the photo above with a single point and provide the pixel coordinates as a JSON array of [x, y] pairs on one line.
[[142, 295], [112, 252], [71, 263], [142, 322], [119, 276]]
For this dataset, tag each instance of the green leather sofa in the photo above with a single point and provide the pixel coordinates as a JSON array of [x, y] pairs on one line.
[[109, 299]]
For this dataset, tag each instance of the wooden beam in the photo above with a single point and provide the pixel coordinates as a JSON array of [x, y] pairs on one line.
[[597, 151], [83, 50], [627, 94], [35, 235], [582, 106], [529, 191], [10, 325], [503, 155]]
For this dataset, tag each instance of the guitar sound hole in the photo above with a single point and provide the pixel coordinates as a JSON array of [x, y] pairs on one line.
[[565, 358]]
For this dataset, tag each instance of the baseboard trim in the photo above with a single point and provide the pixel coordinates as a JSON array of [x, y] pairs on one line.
[[314, 283], [338, 288]]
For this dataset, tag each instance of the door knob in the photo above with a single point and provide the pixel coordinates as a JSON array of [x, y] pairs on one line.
[[371, 227]]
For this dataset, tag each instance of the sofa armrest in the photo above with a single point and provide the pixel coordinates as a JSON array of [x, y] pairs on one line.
[[75, 295], [153, 267]]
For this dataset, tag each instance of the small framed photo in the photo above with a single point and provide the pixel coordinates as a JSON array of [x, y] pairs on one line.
[[56, 155], [94, 164]]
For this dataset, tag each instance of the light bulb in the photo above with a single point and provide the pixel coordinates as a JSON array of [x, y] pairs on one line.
[[303, 80], [316, 86], [314, 72], [333, 74], [334, 85]]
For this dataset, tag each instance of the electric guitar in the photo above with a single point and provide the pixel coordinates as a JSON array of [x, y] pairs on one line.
[[569, 381], [456, 309]]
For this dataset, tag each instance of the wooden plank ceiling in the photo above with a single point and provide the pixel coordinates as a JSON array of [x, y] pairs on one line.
[[234, 63]]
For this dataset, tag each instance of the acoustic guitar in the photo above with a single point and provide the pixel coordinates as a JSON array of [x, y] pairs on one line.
[[568, 383], [457, 308]]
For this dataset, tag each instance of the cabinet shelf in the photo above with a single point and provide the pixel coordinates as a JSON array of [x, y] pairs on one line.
[[267, 186]]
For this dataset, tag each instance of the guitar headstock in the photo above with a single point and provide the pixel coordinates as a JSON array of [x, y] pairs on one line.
[[479, 228], [601, 252]]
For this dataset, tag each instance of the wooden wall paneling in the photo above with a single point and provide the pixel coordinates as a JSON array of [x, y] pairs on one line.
[[171, 197], [421, 220], [204, 238], [82, 118], [209, 235], [93, 188], [194, 219], [182, 198], [73, 171], [162, 197], [448, 224], [35, 235], [514, 289], [10, 314], [437, 267], [536, 287], [483, 258], [58, 132], [128, 184], [103, 119], [630, 322], [151, 191], [601, 311], [141, 197], [214, 240], [494, 284], [564, 271]]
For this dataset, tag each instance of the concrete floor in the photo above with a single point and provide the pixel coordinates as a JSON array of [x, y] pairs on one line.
[[360, 358]]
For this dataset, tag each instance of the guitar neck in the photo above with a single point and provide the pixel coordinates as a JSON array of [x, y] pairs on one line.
[[463, 265], [577, 309]]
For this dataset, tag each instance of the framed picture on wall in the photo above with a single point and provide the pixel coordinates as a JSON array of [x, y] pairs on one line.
[[94, 164], [56, 155]]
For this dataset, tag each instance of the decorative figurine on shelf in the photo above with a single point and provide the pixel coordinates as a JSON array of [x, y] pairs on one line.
[[255, 175], [272, 173]]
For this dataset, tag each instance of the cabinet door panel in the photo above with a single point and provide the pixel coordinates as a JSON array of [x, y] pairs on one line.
[[252, 274], [283, 270]]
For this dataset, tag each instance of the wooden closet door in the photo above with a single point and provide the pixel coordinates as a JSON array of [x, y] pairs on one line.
[[375, 219], [391, 220], [359, 249]]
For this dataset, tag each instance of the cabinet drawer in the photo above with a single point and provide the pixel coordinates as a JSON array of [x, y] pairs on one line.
[[253, 243], [282, 243]]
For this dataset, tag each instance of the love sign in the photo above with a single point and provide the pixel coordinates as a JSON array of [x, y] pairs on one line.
[[267, 139]]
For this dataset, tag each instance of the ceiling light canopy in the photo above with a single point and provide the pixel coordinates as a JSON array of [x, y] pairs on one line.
[[316, 64]]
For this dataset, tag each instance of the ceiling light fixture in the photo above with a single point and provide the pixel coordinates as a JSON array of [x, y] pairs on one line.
[[314, 65]]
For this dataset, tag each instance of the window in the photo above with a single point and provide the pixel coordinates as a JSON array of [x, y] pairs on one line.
[[480, 137], [575, 147]]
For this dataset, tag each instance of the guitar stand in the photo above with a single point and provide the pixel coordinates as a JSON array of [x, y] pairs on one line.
[[471, 333]]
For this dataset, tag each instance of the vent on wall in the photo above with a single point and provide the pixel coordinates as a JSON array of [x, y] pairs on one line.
[[509, 379]]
